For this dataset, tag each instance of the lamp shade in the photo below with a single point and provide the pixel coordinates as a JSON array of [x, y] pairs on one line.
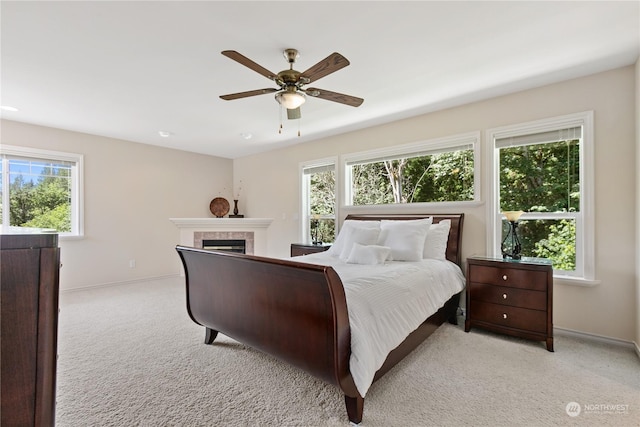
[[512, 216], [290, 100]]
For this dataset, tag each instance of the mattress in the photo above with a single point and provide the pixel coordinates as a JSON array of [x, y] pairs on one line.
[[386, 302]]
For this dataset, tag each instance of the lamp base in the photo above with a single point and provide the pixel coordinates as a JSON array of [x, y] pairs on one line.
[[513, 243]]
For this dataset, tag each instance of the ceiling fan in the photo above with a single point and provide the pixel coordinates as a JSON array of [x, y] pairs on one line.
[[291, 93]]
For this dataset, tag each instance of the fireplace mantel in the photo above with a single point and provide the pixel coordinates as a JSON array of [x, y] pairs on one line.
[[257, 226], [224, 223]]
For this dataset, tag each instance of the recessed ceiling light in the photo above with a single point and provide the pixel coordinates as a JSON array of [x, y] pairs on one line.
[[164, 133], [8, 108]]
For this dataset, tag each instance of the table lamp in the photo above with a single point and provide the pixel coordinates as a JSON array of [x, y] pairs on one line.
[[512, 236]]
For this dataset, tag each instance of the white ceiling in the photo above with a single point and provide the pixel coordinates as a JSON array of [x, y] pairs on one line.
[[130, 69]]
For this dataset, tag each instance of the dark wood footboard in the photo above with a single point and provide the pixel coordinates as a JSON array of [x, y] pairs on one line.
[[294, 311]]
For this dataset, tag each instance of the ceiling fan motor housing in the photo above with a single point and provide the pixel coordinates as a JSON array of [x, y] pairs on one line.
[[288, 77]]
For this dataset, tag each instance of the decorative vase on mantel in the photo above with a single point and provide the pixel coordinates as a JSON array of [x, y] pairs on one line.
[[235, 210]]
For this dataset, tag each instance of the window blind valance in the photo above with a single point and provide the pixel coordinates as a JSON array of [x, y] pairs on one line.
[[318, 169], [411, 155], [567, 134]]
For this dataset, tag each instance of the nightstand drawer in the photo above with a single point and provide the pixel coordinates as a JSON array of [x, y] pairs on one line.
[[512, 317], [517, 278], [525, 298]]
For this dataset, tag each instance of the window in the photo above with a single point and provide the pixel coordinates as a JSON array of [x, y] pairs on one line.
[[41, 189], [442, 170], [545, 169], [319, 201]]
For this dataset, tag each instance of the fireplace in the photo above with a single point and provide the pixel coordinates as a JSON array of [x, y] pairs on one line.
[[228, 245], [194, 231], [225, 240]]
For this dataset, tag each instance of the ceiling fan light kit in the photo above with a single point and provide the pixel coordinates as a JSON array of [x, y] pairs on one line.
[[291, 93], [290, 99]]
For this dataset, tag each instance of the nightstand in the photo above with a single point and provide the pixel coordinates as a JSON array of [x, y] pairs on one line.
[[298, 249], [511, 297]]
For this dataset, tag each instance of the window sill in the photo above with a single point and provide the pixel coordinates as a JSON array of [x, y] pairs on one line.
[[575, 281]]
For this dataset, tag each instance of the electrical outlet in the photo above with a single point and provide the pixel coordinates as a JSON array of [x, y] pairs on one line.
[[132, 263]]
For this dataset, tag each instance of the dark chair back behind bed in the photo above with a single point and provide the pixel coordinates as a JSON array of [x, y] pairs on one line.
[[454, 245]]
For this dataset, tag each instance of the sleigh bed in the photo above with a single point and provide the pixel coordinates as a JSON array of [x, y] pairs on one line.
[[295, 309]]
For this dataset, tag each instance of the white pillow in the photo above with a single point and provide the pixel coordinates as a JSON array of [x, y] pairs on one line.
[[405, 238], [370, 255], [355, 235], [344, 235], [435, 245]]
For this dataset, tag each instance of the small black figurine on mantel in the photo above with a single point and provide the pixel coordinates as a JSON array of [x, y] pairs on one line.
[[235, 205], [235, 210]]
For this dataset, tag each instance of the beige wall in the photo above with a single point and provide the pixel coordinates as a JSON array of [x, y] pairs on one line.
[[130, 192], [271, 188], [637, 118]]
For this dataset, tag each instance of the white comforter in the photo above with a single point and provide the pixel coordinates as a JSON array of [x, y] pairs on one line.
[[386, 303]]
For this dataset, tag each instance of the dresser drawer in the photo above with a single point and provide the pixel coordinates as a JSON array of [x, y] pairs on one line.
[[512, 317], [525, 298], [512, 277]]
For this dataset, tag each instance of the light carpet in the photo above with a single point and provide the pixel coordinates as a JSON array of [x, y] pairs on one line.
[[129, 355]]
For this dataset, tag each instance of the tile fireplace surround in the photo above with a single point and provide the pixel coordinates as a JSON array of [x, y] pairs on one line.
[[253, 230]]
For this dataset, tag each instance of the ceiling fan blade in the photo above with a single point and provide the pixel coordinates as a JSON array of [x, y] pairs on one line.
[[238, 57], [293, 113], [247, 94], [330, 64], [334, 96]]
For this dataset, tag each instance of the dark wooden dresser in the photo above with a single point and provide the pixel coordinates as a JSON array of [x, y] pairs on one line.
[[298, 249], [29, 285], [511, 297]]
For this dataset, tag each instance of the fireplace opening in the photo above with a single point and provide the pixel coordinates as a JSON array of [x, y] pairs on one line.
[[228, 245]]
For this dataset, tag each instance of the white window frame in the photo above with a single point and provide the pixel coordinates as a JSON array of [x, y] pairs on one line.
[[77, 185], [585, 226], [305, 207], [421, 148]]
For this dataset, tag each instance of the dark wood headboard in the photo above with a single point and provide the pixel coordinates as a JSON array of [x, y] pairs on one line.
[[454, 245]]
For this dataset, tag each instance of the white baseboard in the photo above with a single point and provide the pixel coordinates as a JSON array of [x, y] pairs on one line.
[[124, 282], [594, 337], [637, 348]]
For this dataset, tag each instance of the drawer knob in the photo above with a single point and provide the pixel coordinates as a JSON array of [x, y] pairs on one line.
[[504, 296], [504, 277], [504, 315]]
